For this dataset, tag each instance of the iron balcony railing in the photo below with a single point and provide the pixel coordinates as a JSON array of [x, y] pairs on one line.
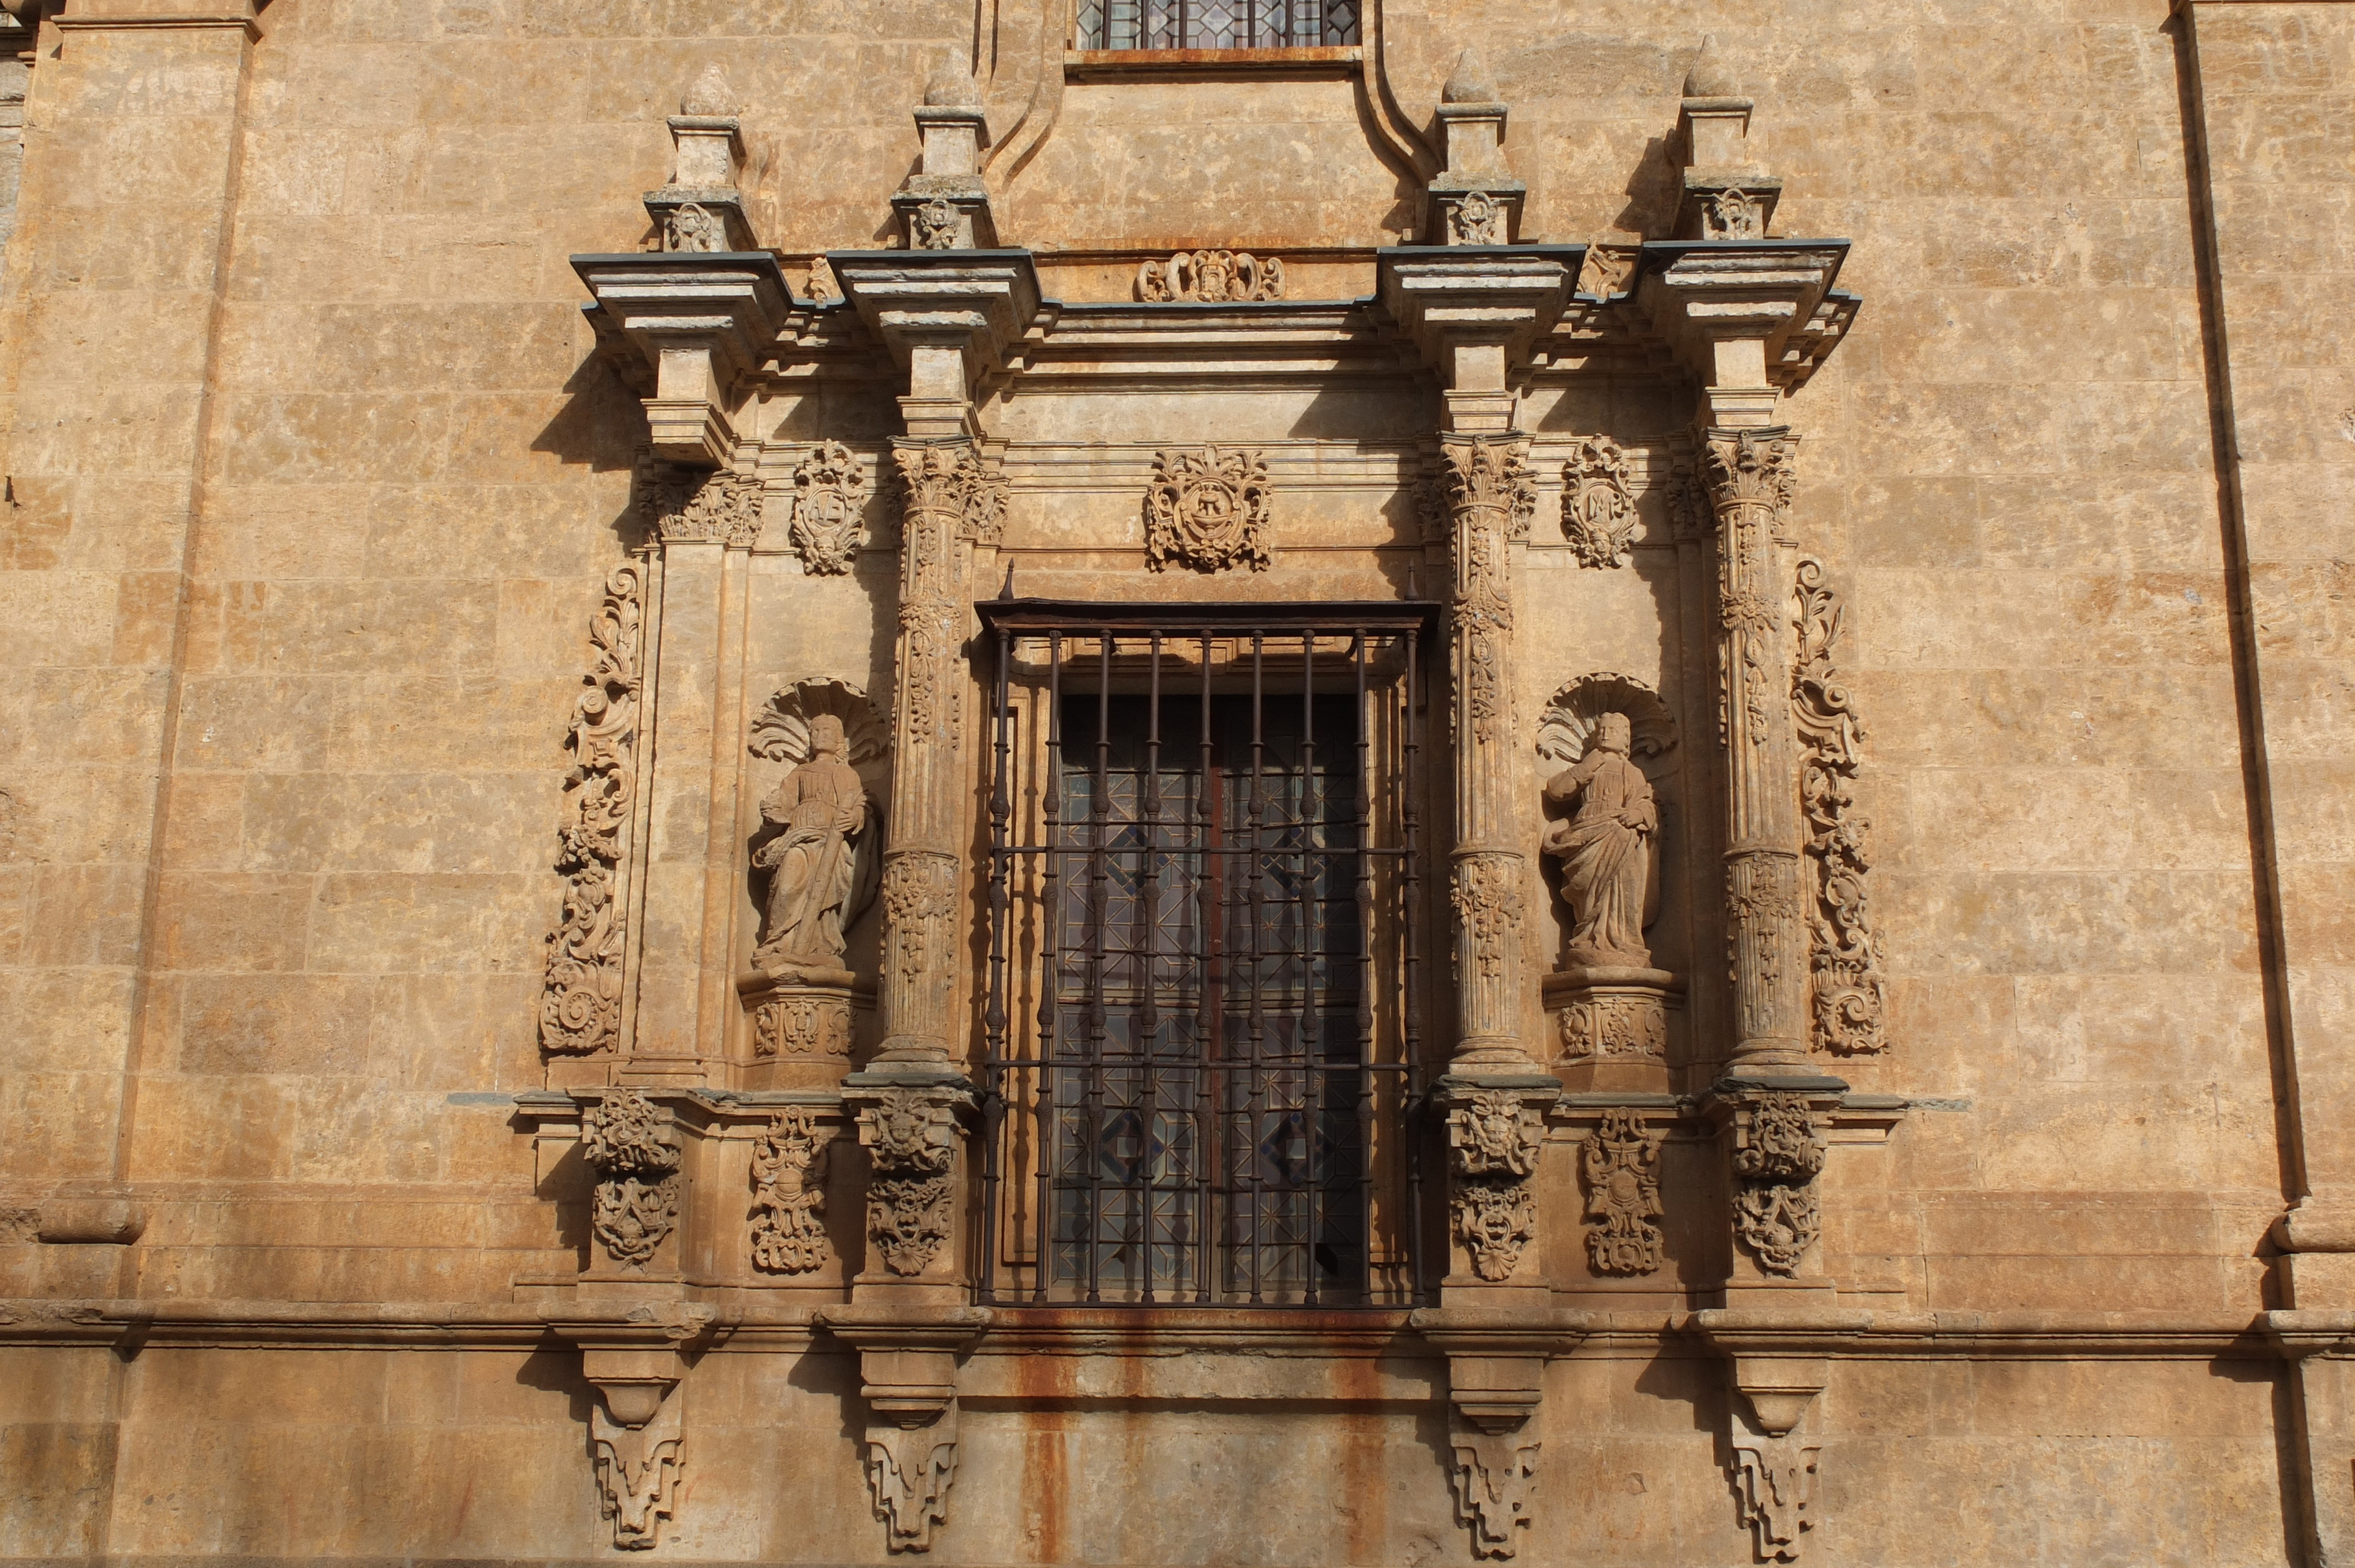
[[1217, 24]]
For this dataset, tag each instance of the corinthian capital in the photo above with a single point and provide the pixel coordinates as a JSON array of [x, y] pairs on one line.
[[1489, 477], [1750, 467], [948, 476]]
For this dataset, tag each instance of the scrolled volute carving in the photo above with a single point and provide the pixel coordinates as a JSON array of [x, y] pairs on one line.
[[1850, 994], [1208, 510], [632, 1146]]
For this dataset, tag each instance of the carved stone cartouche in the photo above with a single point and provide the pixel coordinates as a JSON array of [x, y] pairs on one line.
[[1494, 1139], [1777, 1210], [632, 1146], [1598, 507], [1621, 1165], [829, 500], [789, 1168], [1208, 510]]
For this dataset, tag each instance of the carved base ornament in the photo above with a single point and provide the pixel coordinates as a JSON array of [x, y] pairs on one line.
[[631, 1144], [911, 1138], [1620, 1163], [1493, 1140], [1778, 1154], [789, 1169]]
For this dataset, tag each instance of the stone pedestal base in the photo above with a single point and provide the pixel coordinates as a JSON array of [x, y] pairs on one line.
[[1612, 1026], [803, 1028]]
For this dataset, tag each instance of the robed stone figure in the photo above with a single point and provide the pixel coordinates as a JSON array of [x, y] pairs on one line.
[[1605, 846], [821, 809]]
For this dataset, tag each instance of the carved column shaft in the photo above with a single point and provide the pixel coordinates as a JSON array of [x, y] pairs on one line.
[[948, 500], [1490, 499], [1749, 474]]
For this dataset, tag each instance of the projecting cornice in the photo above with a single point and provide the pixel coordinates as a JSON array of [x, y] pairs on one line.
[[699, 321]]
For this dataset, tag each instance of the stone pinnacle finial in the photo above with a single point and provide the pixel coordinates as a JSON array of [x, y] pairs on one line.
[[1469, 82], [1708, 76], [949, 88], [710, 95]]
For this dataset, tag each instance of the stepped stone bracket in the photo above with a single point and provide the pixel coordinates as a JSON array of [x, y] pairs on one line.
[[638, 1467], [908, 1370], [1775, 1482], [909, 1471], [1496, 1378], [1495, 1483]]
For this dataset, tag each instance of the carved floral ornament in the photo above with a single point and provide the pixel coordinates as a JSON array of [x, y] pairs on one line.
[[789, 1169], [580, 1004], [935, 225], [1620, 1167], [1493, 1140], [1777, 1211], [1231, 277], [631, 1144], [1208, 510], [1851, 1002], [687, 506], [1476, 219], [910, 1139]]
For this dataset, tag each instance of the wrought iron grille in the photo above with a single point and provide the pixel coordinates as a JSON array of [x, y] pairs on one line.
[[1217, 24], [1203, 985]]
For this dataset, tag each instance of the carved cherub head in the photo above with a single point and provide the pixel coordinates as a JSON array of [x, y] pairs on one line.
[[826, 736], [1613, 734]]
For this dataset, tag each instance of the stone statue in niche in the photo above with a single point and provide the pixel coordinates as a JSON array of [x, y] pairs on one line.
[[1609, 872], [821, 809]]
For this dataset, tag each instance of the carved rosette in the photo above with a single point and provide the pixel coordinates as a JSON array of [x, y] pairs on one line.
[[1778, 1154], [580, 1004], [789, 1166], [1733, 214], [911, 1138], [632, 1146], [934, 225], [1491, 498], [828, 505], [1495, 1137], [1208, 510], [1844, 957], [685, 507], [1621, 1166], [693, 228], [1223, 277], [1774, 1479], [1749, 473], [1598, 508]]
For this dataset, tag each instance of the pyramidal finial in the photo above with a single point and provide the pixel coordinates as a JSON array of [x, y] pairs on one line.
[[710, 94], [1468, 82], [952, 88], [1708, 78]]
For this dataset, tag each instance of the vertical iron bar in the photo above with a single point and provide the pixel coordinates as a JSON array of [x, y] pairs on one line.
[[1410, 823], [1364, 805], [993, 1017], [1210, 1125], [1310, 916], [1097, 855], [1149, 1021], [1255, 1093], [1052, 971]]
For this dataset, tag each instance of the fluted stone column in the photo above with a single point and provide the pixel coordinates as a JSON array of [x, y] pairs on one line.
[[949, 503], [1749, 473], [1490, 499]]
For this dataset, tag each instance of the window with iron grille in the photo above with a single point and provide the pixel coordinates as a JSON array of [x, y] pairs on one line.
[[1217, 24], [1200, 1011]]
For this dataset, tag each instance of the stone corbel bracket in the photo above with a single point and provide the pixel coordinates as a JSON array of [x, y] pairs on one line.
[[686, 329], [951, 319], [1778, 1365], [1497, 1359], [636, 1360], [1704, 298], [909, 1357], [1459, 304]]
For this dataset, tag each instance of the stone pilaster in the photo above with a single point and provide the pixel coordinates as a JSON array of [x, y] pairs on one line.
[[1748, 474]]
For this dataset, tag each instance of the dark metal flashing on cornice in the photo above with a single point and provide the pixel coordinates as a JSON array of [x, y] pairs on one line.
[[687, 264], [1656, 254], [1219, 615]]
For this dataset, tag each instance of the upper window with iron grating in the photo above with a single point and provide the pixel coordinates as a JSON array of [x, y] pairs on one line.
[[1217, 24]]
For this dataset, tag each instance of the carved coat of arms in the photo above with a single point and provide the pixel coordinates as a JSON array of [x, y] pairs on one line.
[[1206, 510]]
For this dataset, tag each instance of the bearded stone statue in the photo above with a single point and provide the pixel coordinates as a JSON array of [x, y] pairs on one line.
[[1605, 846]]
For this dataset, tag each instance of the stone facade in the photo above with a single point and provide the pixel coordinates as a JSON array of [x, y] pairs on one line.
[[574, 985]]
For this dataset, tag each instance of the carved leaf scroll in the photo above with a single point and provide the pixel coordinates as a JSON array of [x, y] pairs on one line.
[[581, 1002], [1850, 994], [1217, 276]]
